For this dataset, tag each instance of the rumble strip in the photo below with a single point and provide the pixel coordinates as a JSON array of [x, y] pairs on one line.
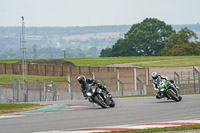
[[128, 127]]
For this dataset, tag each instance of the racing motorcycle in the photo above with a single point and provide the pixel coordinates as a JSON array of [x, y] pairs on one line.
[[96, 95], [167, 91]]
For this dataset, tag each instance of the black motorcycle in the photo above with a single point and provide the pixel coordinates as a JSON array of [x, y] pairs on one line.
[[96, 95]]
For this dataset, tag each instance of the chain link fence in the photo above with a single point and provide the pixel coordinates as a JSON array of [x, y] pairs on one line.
[[189, 82], [24, 91], [6, 95]]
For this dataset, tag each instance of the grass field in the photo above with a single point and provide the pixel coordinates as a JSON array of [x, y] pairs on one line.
[[150, 61], [181, 62], [6, 79], [167, 129], [116, 60], [9, 107], [159, 61], [167, 61]]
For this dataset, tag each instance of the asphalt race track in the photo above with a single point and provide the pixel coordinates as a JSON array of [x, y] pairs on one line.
[[86, 115]]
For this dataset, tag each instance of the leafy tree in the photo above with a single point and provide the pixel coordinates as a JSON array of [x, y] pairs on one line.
[[145, 38], [105, 52], [180, 44]]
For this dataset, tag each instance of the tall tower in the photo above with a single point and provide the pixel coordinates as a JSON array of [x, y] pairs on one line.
[[23, 49], [34, 51]]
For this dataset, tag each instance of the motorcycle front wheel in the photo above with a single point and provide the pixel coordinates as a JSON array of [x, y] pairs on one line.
[[100, 101], [112, 103], [180, 98]]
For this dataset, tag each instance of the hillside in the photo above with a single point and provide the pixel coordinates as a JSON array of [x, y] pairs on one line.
[[51, 42]]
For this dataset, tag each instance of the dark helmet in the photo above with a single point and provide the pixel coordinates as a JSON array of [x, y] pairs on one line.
[[154, 75], [81, 79]]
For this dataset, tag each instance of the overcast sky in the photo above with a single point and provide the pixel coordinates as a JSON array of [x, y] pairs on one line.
[[97, 12]]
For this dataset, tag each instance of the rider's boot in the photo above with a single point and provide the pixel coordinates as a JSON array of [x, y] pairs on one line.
[[158, 96]]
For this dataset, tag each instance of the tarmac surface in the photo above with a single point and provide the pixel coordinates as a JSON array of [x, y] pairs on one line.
[[78, 114]]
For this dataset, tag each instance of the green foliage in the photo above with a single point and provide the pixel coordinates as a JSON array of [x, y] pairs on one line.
[[166, 129], [9, 61], [105, 52], [150, 61], [173, 61], [6, 79], [182, 61], [44, 37], [117, 60], [179, 44], [147, 38], [7, 107]]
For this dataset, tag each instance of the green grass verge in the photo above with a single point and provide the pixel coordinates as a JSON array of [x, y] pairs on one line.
[[16, 60], [181, 62], [9, 107], [153, 130], [169, 61], [161, 61], [9, 61], [5, 79]]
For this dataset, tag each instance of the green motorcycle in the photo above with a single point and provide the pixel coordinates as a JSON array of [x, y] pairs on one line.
[[168, 90]]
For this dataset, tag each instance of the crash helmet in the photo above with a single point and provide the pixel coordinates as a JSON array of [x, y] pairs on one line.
[[154, 75], [81, 79]]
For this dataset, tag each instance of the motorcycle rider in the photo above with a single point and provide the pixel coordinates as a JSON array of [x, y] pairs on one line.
[[84, 82], [156, 77]]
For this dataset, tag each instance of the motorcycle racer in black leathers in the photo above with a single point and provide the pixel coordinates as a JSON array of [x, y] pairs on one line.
[[84, 82]]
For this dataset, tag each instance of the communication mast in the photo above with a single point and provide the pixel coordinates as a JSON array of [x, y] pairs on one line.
[[34, 51], [23, 49]]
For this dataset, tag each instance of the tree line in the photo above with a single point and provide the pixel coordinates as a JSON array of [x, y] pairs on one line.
[[153, 37]]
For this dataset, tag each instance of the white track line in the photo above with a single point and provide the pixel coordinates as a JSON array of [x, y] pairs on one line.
[[128, 127], [10, 116]]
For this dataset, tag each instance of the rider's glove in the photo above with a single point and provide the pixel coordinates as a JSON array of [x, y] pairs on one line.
[[99, 85]]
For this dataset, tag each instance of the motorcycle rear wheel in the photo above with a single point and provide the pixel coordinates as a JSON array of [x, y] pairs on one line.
[[174, 97], [99, 100]]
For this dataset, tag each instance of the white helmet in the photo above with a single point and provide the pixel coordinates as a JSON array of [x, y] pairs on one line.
[[154, 75]]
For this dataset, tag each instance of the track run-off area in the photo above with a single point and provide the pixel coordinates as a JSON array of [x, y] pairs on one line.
[[82, 116]]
